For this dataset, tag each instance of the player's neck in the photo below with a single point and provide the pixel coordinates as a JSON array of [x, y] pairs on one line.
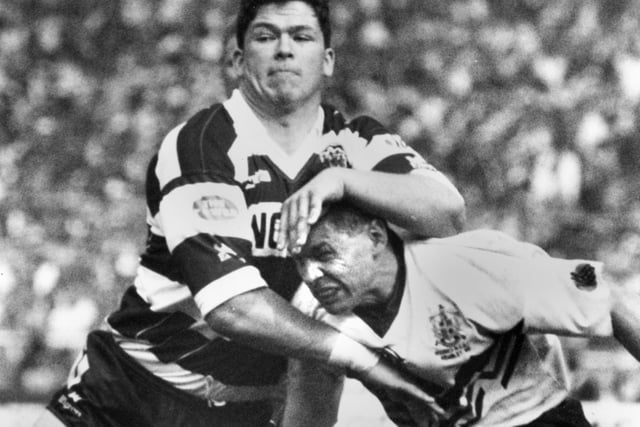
[[288, 126]]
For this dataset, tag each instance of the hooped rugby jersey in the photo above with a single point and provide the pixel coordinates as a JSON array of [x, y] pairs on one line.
[[214, 192], [474, 327]]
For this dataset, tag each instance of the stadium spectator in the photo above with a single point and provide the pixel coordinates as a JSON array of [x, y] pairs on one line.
[[468, 315], [199, 338]]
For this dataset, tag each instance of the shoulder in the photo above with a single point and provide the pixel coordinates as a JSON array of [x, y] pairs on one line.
[[365, 126], [477, 282], [210, 127], [200, 144], [494, 242]]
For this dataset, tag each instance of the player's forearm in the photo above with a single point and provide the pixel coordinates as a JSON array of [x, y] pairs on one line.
[[263, 320], [625, 317], [419, 203]]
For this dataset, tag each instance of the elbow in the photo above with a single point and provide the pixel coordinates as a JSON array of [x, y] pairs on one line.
[[229, 319], [457, 213], [445, 209], [452, 217], [224, 321]]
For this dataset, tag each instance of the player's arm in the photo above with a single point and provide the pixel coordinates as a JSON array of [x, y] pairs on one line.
[[625, 317], [425, 204], [386, 177], [313, 395], [575, 297], [314, 390], [263, 320]]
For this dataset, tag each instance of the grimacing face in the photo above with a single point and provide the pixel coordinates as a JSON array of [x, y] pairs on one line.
[[338, 268], [284, 61]]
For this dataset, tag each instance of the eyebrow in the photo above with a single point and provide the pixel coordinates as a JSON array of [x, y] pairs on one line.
[[312, 251], [275, 28]]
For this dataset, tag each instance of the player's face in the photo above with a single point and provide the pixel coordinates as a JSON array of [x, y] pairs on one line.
[[284, 61], [339, 268]]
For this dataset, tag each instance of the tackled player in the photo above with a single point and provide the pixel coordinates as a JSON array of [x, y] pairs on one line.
[[473, 318]]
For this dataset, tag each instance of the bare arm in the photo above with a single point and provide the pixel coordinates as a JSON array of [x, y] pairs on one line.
[[263, 320], [422, 203], [625, 316], [415, 201]]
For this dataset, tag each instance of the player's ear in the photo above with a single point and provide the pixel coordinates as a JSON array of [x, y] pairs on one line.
[[238, 59], [378, 234], [329, 62]]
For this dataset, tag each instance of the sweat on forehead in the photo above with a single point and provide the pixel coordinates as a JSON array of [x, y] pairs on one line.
[[249, 10]]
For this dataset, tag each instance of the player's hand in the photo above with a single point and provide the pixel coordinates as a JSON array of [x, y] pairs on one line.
[[422, 405], [302, 209]]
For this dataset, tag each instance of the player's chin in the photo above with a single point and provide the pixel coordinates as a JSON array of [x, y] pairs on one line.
[[336, 311], [286, 93], [337, 306]]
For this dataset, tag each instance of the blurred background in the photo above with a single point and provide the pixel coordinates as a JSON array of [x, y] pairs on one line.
[[531, 107]]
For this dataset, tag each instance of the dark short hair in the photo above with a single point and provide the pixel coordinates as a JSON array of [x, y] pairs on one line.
[[345, 217], [249, 9]]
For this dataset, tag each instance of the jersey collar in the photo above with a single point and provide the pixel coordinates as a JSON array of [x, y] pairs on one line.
[[249, 127]]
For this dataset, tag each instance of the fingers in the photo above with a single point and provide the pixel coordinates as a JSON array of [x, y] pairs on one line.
[[289, 219], [294, 228], [303, 208], [298, 213], [403, 388], [299, 228], [315, 208], [282, 227]]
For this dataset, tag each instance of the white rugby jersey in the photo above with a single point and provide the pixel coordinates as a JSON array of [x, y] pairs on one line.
[[214, 193], [473, 325]]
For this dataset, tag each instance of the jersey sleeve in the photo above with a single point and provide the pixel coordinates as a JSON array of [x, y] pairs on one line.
[[202, 213], [561, 299], [498, 282], [369, 146]]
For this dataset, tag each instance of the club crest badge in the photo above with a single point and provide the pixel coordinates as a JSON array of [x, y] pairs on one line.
[[448, 327], [334, 156]]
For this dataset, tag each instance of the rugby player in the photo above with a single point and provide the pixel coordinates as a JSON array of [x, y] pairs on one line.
[[202, 335], [474, 317]]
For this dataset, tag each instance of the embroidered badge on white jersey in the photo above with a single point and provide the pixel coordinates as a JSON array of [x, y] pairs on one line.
[[450, 329]]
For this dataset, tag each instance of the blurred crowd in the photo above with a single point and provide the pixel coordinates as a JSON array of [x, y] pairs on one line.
[[531, 107]]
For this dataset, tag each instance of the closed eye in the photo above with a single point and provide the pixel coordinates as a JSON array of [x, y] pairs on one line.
[[264, 37], [322, 254], [303, 37]]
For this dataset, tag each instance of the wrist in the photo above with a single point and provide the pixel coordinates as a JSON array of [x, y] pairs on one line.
[[343, 178], [335, 181], [350, 354]]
